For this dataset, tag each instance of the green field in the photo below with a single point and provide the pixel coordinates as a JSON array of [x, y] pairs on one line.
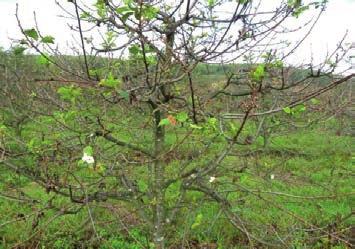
[[299, 184]]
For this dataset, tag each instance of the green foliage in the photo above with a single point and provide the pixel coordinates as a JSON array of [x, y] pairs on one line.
[[182, 117], [211, 3], [18, 50], [259, 73], [295, 110], [315, 101], [164, 121], [298, 11], [294, 3], [88, 150], [43, 60], [277, 64], [125, 11], [316, 158], [118, 242], [124, 94], [197, 222], [149, 12], [136, 54], [268, 186], [110, 81], [146, 11], [32, 33], [197, 127], [48, 39], [287, 110], [69, 93], [109, 42], [85, 15], [100, 8]]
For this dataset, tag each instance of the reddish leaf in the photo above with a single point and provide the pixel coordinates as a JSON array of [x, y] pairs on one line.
[[172, 120]]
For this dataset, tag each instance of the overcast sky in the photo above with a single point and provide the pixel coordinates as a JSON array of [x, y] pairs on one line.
[[338, 18]]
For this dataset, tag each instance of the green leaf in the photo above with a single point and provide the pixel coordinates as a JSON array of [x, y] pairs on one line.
[[126, 16], [43, 60], [92, 72], [134, 49], [213, 123], [85, 15], [18, 50], [233, 127], [299, 11], [48, 39], [32, 33], [299, 108], [88, 150], [294, 3], [182, 117], [100, 8], [128, 2], [123, 9], [69, 93], [259, 73], [124, 94], [164, 121], [151, 60], [110, 81], [150, 12], [210, 3], [278, 64], [287, 110], [315, 101], [193, 126], [3, 129], [243, 178], [197, 222]]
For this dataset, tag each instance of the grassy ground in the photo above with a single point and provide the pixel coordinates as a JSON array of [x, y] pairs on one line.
[[300, 182]]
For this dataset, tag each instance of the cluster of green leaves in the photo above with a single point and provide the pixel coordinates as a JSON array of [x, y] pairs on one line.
[[259, 73], [44, 60], [131, 8], [299, 7], [69, 93], [136, 54], [207, 127], [32, 33], [299, 108], [294, 110], [101, 8], [181, 117], [109, 41], [110, 81]]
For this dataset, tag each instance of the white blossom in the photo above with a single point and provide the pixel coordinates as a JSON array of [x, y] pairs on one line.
[[88, 159], [159, 239], [212, 179], [272, 176]]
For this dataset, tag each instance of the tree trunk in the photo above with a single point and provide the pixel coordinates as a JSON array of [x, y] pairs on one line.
[[159, 167], [158, 181]]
